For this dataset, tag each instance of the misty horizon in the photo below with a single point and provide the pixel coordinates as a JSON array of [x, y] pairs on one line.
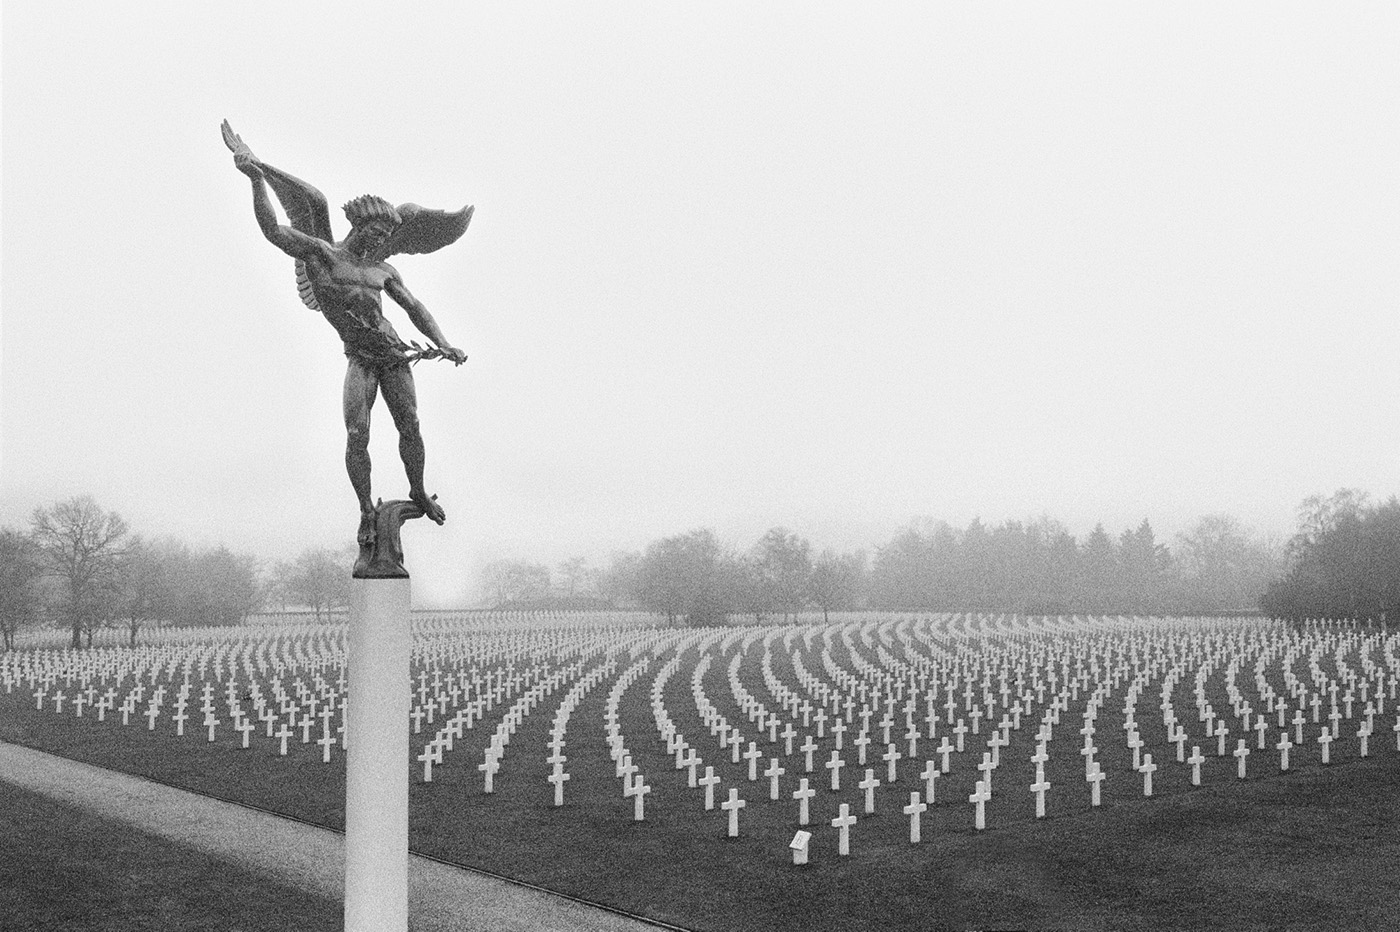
[[732, 268]]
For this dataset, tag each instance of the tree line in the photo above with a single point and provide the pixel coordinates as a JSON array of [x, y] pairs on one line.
[[1344, 562], [80, 566], [1032, 567]]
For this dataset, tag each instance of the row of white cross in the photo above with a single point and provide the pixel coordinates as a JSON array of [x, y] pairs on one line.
[[900, 683]]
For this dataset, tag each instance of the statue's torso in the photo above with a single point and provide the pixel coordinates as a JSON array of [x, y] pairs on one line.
[[348, 290]]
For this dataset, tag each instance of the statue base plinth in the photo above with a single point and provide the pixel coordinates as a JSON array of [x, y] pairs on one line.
[[379, 648], [381, 550]]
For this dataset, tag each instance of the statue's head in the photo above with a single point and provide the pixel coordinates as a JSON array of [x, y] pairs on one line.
[[372, 219]]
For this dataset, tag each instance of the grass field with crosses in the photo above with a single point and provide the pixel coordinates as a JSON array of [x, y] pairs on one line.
[[952, 771]]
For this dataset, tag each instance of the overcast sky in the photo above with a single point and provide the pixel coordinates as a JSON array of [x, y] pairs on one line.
[[732, 265]]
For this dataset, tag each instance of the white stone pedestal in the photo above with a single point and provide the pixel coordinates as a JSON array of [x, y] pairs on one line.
[[376, 777]]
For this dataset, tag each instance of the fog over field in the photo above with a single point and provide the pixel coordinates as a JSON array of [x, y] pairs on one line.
[[798, 265]]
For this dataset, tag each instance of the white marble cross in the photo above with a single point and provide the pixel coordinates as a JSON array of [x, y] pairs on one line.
[[1095, 777], [690, 762], [802, 794], [774, 771], [639, 791], [1038, 788], [752, 755], [834, 765], [283, 734], [979, 797], [732, 806], [1325, 739], [891, 757], [944, 750], [843, 823], [929, 776], [708, 781], [869, 784], [427, 758], [489, 768], [558, 778], [915, 808], [1147, 769]]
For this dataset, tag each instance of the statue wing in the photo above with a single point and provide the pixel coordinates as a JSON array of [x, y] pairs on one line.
[[424, 230], [305, 207]]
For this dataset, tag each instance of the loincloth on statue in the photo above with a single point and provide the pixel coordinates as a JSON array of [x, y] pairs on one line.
[[370, 342], [377, 358]]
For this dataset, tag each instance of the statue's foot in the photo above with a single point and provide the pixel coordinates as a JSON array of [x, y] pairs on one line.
[[429, 505], [365, 537]]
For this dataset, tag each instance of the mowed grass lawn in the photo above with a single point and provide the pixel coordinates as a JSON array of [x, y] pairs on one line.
[[65, 869], [1312, 849]]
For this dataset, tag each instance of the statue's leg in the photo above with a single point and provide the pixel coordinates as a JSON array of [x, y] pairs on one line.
[[402, 399], [361, 387]]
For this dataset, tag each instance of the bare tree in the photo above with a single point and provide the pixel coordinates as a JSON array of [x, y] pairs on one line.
[[81, 545], [514, 581], [618, 583], [837, 581], [577, 577], [144, 583], [21, 567], [318, 578], [1223, 565], [783, 564]]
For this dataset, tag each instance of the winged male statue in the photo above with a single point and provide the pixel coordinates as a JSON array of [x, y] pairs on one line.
[[343, 281]]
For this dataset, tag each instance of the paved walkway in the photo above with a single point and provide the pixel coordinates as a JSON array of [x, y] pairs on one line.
[[312, 859]]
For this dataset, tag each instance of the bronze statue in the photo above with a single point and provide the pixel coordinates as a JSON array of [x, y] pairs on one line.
[[343, 281]]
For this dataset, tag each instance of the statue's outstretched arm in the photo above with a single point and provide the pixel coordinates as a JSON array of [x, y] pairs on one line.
[[421, 318], [293, 241]]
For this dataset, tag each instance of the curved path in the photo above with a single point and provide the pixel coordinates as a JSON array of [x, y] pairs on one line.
[[440, 897]]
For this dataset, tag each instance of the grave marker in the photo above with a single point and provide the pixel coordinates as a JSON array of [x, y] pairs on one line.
[[774, 771], [799, 845], [1241, 754], [708, 781], [732, 806], [869, 784], [1147, 769], [1195, 760], [1095, 777], [843, 824], [913, 811], [979, 798], [802, 794], [1038, 788]]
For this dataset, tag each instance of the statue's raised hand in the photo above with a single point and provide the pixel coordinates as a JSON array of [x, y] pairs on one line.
[[243, 158], [248, 164]]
